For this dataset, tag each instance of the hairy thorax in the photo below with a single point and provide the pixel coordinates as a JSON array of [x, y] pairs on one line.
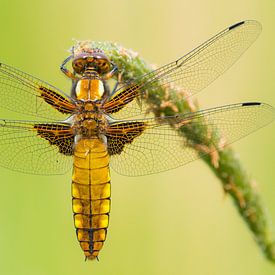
[[89, 121]]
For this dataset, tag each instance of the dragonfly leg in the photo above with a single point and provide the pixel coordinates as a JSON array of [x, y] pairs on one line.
[[119, 77], [107, 76], [111, 73], [65, 70]]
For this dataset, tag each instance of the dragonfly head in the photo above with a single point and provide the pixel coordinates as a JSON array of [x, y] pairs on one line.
[[94, 62]]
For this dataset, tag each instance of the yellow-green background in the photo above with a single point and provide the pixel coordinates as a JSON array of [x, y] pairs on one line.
[[178, 222]]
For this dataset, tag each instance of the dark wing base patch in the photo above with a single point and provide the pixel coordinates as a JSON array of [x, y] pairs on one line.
[[57, 101], [120, 134], [60, 135], [122, 99]]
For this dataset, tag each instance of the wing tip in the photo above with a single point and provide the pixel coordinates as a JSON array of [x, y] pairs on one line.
[[268, 109], [256, 24]]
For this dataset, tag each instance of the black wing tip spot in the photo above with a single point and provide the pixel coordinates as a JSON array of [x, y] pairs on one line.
[[251, 103], [236, 25]]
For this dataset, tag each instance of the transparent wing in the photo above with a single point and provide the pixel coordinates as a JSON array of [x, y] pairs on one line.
[[153, 145], [192, 72], [23, 93], [35, 147]]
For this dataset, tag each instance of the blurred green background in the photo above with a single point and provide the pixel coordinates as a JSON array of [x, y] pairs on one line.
[[177, 222]]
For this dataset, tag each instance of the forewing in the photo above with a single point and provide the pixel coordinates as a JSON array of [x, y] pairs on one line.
[[192, 72], [153, 145], [23, 93], [36, 147]]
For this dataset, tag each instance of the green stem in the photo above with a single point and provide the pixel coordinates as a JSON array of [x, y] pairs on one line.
[[224, 163]]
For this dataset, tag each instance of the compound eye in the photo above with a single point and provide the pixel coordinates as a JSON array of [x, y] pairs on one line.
[[79, 65], [103, 65]]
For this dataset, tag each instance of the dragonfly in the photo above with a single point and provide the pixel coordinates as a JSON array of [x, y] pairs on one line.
[[99, 127]]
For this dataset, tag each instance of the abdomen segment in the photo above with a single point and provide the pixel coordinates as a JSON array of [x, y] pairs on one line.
[[91, 192]]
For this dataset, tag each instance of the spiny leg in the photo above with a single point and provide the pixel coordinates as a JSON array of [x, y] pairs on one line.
[[65, 70]]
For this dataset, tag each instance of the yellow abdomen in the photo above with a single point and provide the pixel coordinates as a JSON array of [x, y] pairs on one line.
[[91, 192]]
